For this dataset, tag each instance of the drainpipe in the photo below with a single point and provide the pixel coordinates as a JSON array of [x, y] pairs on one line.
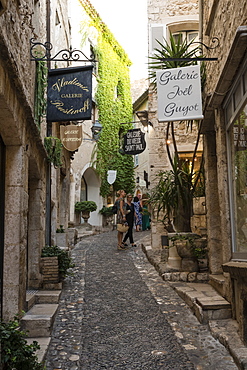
[[49, 133], [200, 19]]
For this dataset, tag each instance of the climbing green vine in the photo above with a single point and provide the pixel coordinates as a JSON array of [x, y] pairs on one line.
[[114, 103], [53, 146], [41, 84]]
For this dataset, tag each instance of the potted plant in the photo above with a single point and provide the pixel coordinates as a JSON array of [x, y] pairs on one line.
[[85, 207], [192, 249], [107, 213], [64, 260]]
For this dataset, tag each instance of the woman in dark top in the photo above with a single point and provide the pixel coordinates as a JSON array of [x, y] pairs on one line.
[[130, 216], [121, 215]]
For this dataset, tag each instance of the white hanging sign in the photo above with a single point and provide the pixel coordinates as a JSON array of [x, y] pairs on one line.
[[111, 176], [179, 94]]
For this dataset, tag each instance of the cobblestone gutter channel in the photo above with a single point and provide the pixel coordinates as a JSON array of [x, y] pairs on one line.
[[117, 313]]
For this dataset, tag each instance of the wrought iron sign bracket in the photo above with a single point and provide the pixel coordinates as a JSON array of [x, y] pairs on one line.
[[197, 58], [42, 51]]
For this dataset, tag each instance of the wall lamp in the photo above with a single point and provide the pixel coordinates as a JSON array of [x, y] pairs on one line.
[[96, 130], [143, 117]]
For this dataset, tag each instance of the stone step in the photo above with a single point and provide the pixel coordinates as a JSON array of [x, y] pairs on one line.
[[38, 321], [205, 302], [41, 296], [48, 296], [43, 343]]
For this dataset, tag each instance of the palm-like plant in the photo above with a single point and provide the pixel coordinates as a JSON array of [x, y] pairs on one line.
[[173, 195], [163, 58]]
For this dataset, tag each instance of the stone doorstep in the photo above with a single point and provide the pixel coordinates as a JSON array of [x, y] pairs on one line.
[[41, 296], [48, 296], [43, 343], [204, 301], [38, 321], [226, 332]]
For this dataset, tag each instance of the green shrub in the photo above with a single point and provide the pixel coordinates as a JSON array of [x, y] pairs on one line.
[[106, 211], [86, 205], [64, 261], [15, 352]]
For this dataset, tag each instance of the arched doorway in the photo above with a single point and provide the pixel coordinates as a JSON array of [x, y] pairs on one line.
[[90, 189]]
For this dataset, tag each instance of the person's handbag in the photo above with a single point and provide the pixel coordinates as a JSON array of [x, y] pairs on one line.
[[123, 228]]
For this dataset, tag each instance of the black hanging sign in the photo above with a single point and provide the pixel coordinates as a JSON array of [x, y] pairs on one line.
[[69, 94], [134, 142]]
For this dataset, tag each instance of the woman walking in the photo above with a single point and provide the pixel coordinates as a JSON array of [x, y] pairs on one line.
[[121, 216], [130, 215], [138, 218]]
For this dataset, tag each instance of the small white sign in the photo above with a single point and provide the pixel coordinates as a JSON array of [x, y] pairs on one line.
[[111, 176], [179, 94]]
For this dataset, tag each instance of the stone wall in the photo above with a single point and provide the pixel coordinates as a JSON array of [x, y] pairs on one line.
[[166, 13], [221, 18], [159, 10], [26, 158]]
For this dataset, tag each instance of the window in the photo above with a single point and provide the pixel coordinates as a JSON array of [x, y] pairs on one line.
[[157, 33], [83, 195], [186, 158], [238, 156], [235, 108], [188, 36]]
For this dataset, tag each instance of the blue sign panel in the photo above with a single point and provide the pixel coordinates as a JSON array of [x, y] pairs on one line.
[[69, 94]]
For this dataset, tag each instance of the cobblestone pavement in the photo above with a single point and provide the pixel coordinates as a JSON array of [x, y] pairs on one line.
[[116, 312]]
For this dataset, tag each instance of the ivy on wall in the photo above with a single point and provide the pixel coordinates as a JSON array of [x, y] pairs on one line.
[[40, 88], [114, 103], [54, 146]]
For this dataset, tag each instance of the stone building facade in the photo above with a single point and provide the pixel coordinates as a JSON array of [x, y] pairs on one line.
[[224, 129], [165, 17], [23, 159]]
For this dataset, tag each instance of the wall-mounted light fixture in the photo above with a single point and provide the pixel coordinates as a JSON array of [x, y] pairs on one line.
[[96, 130], [143, 117]]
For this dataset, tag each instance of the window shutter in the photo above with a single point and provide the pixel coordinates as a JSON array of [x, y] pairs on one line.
[[157, 33]]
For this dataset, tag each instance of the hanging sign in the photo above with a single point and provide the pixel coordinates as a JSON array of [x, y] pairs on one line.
[[71, 137], [111, 176], [134, 142], [69, 94], [240, 137], [179, 94]]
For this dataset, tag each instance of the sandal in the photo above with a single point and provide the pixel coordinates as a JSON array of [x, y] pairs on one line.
[[124, 244], [121, 247], [133, 245]]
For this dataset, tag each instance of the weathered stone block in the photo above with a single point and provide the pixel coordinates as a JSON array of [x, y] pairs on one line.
[[192, 277], [49, 269]]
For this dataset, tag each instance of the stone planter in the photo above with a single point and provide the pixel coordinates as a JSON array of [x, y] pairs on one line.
[[49, 269], [85, 215], [203, 264], [188, 260]]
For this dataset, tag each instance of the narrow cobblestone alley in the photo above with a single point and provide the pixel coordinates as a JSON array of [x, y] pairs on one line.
[[116, 312]]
